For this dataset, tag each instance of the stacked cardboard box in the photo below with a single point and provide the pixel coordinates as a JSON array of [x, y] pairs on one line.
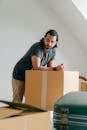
[[83, 86], [29, 121]]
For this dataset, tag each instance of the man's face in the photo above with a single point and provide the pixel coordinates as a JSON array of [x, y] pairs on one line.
[[49, 41]]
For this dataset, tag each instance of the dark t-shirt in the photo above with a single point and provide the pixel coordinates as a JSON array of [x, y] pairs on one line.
[[25, 63]]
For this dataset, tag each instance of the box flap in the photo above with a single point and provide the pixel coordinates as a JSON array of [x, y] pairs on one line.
[[13, 109], [21, 106], [8, 112]]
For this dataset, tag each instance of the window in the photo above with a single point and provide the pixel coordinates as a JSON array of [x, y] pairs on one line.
[[82, 6]]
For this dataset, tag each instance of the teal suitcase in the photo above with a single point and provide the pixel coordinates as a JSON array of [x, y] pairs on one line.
[[70, 112]]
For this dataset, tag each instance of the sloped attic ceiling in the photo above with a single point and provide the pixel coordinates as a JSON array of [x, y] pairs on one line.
[[72, 18]]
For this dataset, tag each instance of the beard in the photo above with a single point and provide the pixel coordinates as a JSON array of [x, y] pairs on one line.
[[47, 47]]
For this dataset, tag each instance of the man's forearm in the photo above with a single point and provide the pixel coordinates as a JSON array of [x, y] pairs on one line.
[[58, 67], [45, 68]]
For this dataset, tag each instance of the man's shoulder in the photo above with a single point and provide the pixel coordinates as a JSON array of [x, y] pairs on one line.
[[37, 45]]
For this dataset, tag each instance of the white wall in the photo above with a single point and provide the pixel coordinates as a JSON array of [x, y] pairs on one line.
[[23, 22]]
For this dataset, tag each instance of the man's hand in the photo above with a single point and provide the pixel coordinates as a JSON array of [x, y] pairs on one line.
[[60, 67]]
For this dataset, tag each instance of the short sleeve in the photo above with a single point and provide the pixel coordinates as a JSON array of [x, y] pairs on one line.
[[37, 52]]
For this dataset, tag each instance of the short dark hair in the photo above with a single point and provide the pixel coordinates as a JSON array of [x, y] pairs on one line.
[[53, 33]]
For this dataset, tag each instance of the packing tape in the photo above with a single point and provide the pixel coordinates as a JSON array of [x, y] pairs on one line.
[[44, 90]]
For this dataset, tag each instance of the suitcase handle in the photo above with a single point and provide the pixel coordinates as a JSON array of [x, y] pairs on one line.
[[64, 115]]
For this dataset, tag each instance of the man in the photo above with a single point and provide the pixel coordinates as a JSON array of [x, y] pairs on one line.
[[40, 56]]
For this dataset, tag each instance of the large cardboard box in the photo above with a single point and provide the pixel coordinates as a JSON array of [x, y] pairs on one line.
[[26, 121], [43, 88]]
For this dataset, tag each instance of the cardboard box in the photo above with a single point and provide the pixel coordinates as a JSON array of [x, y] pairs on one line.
[[28, 121], [44, 88], [71, 81], [83, 86]]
